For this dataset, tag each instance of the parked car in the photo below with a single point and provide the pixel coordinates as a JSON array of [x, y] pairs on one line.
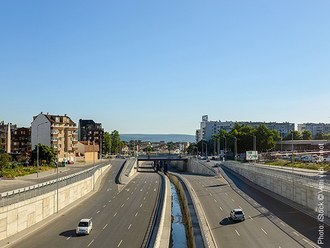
[[85, 226], [237, 214]]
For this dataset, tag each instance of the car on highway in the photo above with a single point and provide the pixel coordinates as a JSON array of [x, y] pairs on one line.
[[85, 226], [237, 214]]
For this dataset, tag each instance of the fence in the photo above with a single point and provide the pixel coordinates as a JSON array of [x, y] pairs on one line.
[[21, 194]]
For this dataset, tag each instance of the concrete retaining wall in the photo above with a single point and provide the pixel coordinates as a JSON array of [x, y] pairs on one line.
[[196, 166], [303, 191], [19, 216]]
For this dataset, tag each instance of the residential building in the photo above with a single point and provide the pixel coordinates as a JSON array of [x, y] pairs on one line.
[[57, 131], [87, 151], [21, 141], [90, 131], [315, 128], [209, 128]]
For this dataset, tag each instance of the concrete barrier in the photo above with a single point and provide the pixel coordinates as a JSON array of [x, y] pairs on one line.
[[19, 216], [302, 190]]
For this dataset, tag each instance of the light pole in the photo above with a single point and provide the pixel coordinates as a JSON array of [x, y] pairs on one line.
[[38, 146], [293, 191]]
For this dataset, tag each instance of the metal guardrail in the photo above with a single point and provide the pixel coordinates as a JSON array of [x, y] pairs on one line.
[[21, 194]]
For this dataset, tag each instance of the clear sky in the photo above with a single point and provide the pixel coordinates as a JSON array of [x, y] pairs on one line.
[[157, 66]]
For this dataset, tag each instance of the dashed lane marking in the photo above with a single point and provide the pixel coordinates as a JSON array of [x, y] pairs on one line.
[[237, 232], [129, 226], [121, 241], [105, 226], [90, 243], [264, 231]]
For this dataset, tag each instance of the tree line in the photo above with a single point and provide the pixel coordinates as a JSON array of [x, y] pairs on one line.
[[243, 136]]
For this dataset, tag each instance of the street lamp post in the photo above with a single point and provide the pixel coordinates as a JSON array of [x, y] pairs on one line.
[[38, 146]]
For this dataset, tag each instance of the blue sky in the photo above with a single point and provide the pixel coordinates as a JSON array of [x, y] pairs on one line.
[[158, 66]]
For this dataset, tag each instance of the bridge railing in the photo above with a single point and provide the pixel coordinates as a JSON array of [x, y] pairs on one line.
[[21, 194]]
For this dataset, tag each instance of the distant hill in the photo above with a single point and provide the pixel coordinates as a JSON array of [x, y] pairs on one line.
[[159, 137]]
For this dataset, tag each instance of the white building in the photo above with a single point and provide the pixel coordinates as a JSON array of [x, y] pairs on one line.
[[209, 128], [56, 131], [315, 128]]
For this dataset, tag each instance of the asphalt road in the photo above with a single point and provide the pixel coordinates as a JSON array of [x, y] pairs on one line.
[[120, 215], [218, 199]]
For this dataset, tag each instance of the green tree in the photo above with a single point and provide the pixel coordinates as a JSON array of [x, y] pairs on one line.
[[296, 136], [306, 135], [4, 162], [106, 142], [192, 149], [116, 144], [148, 150], [170, 147], [46, 153], [244, 135], [266, 138]]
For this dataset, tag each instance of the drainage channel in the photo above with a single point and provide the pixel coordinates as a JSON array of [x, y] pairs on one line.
[[178, 233]]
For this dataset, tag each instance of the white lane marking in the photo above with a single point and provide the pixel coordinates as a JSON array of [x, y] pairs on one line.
[[141, 205], [232, 199], [282, 223], [104, 206], [154, 189], [215, 200], [144, 198], [136, 214], [145, 181], [295, 233], [237, 232], [250, 217], [127, 198], [123, 205], [132, 193], [121, 241], [115, 214], [226, 194], [90, 243], [141, 189], [98, 212], [221, 208], [129, 226], [240, 207], [114, 197], [264, 231], [109, 201], [69, 237], [156, 181], [105, 226], [108, 190], [210, 194]]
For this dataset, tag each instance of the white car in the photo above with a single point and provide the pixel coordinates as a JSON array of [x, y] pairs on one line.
[[85, 226], [237, 214]]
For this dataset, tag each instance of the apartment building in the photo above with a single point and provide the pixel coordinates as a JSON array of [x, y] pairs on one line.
[[57, 131], [315, 128], [21, 141], [91, 131], [209, 128]]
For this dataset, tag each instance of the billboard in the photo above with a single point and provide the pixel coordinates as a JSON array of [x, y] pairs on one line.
[[251, 155]]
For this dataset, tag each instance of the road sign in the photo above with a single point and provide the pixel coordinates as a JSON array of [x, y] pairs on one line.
[[251, 155]]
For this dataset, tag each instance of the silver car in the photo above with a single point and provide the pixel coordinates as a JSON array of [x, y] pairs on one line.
[[85, 226], [237, 214]]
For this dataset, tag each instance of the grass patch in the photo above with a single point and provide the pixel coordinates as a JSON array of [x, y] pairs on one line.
[[19, 171], [301, 165]]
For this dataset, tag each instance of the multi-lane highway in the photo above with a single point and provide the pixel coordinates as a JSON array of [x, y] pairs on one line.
[[120, 215], [218, 198]]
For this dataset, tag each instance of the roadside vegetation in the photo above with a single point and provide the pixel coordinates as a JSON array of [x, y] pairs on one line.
[[301, 165]]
